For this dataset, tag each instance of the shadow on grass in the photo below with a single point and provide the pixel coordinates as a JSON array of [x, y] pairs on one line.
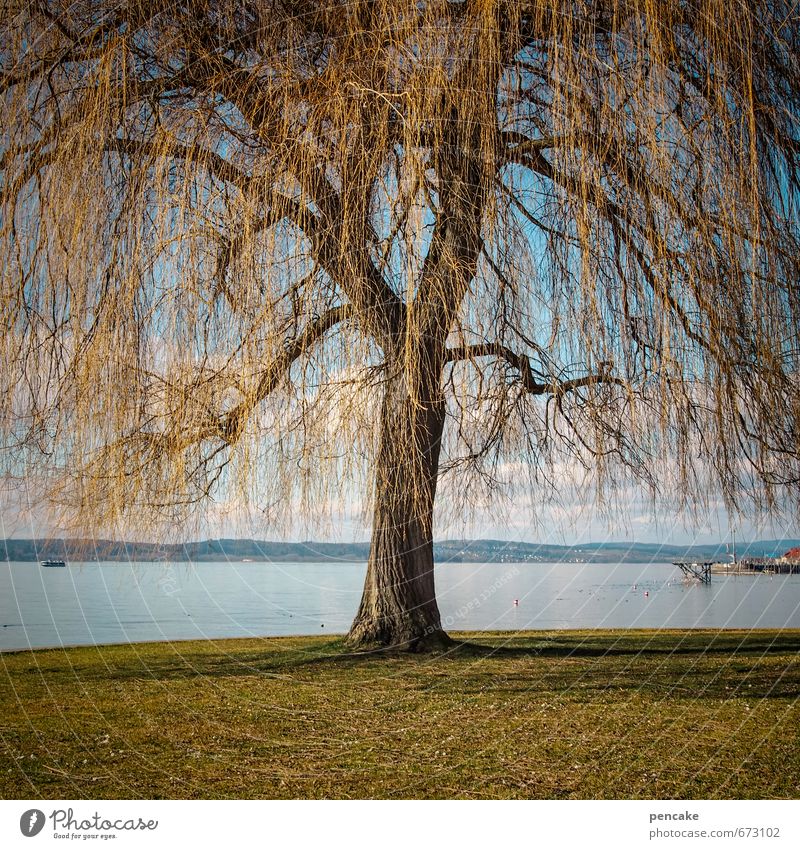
[[715, 663], [639, 646]]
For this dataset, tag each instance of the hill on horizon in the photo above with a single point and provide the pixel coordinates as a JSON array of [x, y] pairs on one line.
[[445, 551]]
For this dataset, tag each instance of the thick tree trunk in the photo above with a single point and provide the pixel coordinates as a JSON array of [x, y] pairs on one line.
[[398, 608]]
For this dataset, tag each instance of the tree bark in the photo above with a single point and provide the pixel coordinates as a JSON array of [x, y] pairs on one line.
[[398, 608]]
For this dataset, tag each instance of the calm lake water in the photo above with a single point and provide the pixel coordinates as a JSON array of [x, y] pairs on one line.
[[97, 603]]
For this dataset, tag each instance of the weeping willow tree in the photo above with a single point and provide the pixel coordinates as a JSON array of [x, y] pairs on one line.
[[272, 250]]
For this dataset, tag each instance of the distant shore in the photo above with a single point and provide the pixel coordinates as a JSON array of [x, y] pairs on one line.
[[445, 551]]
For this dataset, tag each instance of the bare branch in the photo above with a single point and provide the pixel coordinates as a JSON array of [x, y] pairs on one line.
[[522, 364], [278, 369]]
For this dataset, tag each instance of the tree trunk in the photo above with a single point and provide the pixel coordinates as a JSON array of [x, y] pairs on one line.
[[398, 608]]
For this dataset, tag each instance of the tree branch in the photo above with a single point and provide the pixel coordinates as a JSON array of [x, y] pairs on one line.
[[522, 364], [233, 422], [215, 164]]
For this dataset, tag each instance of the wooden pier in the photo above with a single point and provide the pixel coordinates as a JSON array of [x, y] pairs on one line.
[[695, 571]]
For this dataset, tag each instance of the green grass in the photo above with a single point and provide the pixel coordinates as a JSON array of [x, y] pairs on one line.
[[579, 714]]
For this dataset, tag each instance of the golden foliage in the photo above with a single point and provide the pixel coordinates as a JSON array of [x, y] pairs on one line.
[[227, 227]]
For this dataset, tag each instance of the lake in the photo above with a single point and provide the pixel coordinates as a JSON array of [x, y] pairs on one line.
[[98, 603]]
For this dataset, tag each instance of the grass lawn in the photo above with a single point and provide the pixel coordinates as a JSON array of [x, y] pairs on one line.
[[575, 714]]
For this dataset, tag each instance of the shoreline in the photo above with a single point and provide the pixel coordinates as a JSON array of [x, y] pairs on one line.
[[466, 637]]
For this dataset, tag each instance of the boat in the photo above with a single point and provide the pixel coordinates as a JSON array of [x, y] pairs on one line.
[[721, 567], [53, 563]]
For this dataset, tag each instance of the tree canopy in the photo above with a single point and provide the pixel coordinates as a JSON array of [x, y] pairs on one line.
[[270, 248]]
